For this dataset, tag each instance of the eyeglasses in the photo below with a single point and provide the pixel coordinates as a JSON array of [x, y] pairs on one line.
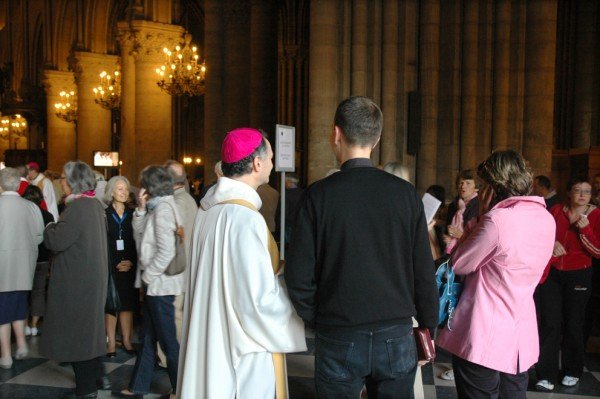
[[580, 191]]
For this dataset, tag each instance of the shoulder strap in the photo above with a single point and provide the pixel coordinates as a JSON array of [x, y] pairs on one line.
[[273, 250]]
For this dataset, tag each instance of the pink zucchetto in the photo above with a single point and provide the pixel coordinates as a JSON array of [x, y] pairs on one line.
[[239, 143]]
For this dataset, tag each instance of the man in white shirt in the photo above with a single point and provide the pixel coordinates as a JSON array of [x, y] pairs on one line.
[[35, 177]]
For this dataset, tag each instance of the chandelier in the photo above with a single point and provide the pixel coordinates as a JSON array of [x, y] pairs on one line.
[[4, 128], [14, 126], [66, 109], [108, 93], [182, 74]]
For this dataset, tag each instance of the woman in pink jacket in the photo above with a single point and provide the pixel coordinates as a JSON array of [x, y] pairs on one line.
[[494, 338]]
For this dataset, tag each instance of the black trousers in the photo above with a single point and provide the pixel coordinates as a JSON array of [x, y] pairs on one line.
[[474, 381], [87, 373], [562, 302]]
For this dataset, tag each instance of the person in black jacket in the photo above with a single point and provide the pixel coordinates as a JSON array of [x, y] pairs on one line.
[[38, 291], [122, 262], [360, 266]]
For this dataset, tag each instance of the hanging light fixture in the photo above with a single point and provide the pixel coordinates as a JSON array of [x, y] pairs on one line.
[[182, 73], [4, 128], [108, 93], [13, 128], [66, 109]]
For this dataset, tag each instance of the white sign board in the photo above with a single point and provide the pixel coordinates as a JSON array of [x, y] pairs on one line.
[[285, 148]]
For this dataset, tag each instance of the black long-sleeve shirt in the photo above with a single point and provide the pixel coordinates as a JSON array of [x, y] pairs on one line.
[[360, 252]]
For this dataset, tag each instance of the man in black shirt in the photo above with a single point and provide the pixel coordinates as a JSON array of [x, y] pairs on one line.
[[360, 266]]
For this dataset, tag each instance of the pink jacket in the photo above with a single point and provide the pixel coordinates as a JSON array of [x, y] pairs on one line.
[[503, 259]]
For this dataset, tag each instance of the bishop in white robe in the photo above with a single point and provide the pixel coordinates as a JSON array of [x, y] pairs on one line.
[[237, 312]]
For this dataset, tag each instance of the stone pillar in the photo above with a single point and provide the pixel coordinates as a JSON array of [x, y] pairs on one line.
[[449, 95], [237, 55], [93, 121], [428, 82], [585, 76], [61, 136], [214, 125], [360, 34], [263, 65], [469, 91], [152, 134], [408, 73], [323, 86], [539, 83], [501, 75], [391, 148], [127, 148]]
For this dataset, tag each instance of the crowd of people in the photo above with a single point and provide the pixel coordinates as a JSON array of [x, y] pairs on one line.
[[219, 309]]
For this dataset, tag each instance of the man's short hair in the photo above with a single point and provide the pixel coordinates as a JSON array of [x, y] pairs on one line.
[[543, 181], [244, 165], [157, 181], [177, 172], [9, 179], [79, 176], [360, 120]]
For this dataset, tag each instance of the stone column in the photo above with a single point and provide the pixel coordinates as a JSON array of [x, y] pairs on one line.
[[391, 149], [61, 136], [214, 126], [263, 65], [429, 79], [469, 91], [449, 94], [585, 76], [360, 34], [539, 83], [501, 75], [323, 86], [127, 148], [93, 121], [153, 119]]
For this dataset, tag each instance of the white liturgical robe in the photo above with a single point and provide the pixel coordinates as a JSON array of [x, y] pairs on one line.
[[237, 312]]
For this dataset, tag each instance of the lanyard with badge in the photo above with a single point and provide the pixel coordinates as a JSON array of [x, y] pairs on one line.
[[120, 242]]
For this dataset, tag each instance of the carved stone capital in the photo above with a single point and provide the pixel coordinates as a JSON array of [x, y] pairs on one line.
[[145, 40], [56, 81], [89, 65]]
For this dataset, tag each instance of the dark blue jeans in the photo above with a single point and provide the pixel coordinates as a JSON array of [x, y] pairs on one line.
[[158, 326], [385, 360]]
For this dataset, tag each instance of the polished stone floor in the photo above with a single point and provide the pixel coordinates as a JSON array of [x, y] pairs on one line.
[[39, 378]]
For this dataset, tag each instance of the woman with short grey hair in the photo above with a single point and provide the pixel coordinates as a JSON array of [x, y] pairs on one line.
[[155, 221], [80, 178], [74, 321]]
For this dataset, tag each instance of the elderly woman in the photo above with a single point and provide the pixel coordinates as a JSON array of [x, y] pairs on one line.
[[154, 226], [122, 261], [563, 295], [494, 338], [21, 229], [74, 320]]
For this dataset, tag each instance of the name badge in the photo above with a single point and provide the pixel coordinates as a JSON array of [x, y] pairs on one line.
[[120, 245]]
